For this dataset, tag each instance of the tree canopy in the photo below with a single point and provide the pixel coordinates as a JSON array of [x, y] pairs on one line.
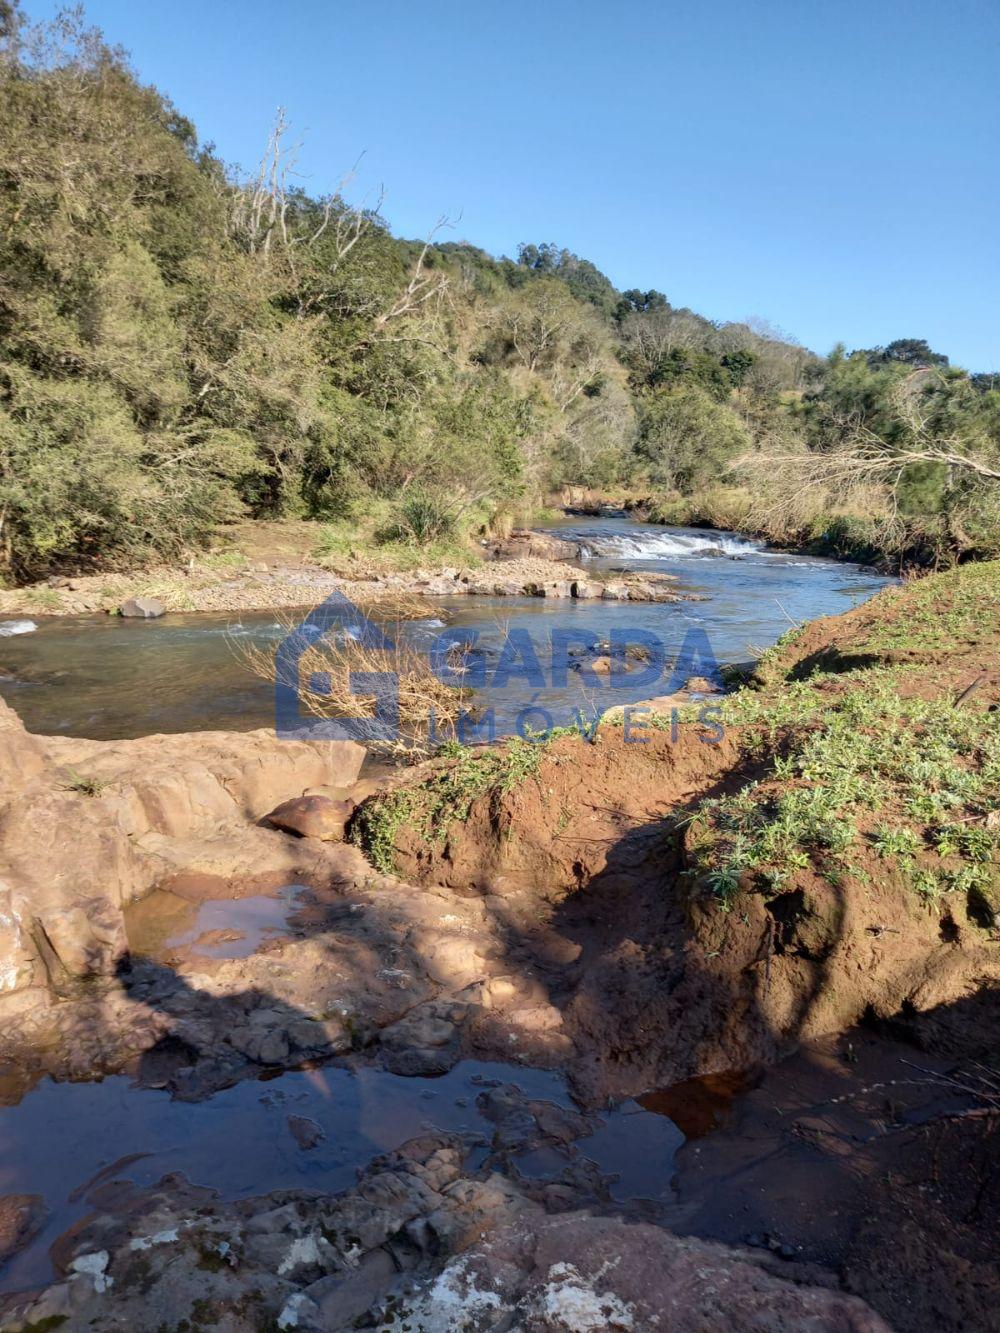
[[181, 345]]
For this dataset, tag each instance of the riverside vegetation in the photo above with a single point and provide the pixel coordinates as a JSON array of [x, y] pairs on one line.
[[183, 344], [183, 349]]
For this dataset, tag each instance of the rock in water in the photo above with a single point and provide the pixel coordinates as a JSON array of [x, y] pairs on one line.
[[306, 1133], [142, 608], [522, 544], [21, 1218], [312, 817]]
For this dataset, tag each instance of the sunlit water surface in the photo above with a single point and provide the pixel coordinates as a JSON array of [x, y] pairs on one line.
[[105, 677]]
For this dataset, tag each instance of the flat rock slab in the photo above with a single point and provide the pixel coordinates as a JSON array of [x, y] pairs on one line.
[[579, 1272]]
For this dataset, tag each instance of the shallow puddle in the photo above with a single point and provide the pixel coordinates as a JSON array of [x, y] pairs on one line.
[[697, 1106], [214, 928], [252, 1138]]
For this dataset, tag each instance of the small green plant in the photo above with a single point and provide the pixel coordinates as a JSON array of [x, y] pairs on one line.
[[973, 842], [376, 825], [333, 540], [895, 842], [450, 749], [725, 884], [84, 785], [927, 884]]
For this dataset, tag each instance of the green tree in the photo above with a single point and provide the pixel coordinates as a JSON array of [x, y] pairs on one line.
[[687, 439]]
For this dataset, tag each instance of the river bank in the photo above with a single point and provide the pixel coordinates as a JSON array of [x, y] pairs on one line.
[[283, 566], [890, 545], [582, 937]]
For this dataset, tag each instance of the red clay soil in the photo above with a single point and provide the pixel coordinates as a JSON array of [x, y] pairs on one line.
[[659, 982], [593, 809]]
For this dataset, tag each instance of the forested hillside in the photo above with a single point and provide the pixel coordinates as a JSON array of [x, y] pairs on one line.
[[182, 344]]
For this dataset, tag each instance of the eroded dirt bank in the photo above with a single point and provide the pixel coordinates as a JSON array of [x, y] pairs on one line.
[[817, 848], [696, 901]]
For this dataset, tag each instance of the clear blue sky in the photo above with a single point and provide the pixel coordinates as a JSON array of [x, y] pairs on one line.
[[830, 165]]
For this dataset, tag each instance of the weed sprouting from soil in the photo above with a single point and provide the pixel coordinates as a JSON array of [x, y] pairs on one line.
[[445, 796], [912, 779]]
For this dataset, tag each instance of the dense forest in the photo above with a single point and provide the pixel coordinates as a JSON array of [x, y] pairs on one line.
[[182, 344]]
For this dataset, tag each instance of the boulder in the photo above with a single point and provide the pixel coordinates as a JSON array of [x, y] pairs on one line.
[[142, 608], [587, 588], [523, 544], [577, 1271], [700, 685], [642, 590], [557, 588], [312, 817]]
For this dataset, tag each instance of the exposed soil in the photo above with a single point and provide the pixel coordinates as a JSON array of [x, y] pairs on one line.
[[556, 906], [867, 1154], [653, 982]]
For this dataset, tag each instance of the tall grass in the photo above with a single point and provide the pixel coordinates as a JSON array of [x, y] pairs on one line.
[[428, 708]]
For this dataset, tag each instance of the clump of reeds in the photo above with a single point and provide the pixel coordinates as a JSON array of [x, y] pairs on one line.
[[428, 707]]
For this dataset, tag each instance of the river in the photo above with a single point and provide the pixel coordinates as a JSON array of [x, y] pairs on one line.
[[104, 677], [109, 678]]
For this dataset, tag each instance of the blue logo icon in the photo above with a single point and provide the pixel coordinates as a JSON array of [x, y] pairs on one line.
[[336, 615]]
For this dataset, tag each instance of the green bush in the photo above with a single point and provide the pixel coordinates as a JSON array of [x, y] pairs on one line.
[[421, 518]]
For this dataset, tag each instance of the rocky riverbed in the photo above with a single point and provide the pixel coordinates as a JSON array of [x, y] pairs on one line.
[[539, 908], [525, 565]]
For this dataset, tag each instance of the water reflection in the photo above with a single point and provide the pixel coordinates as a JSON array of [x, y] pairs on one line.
[[104, 677], [213, 928]]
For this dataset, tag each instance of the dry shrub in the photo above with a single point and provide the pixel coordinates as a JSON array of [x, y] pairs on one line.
[[428, 708]]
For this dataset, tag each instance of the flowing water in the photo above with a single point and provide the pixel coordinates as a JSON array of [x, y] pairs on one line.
[[105, 677]]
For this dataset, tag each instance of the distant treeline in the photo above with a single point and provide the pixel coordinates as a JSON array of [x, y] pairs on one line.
[[181, 345]]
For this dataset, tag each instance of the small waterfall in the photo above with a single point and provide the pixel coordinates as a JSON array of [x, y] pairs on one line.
[[667, 545]]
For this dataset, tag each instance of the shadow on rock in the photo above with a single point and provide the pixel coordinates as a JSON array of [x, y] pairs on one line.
[[215, 1039]]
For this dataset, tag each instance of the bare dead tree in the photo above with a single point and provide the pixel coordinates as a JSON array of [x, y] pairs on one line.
[[568, 382], [535, 321], [260, 211], [423, 288], [863, 456]]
